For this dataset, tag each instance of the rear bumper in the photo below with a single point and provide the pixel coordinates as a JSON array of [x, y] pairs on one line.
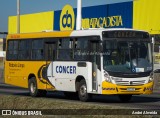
[[109, 88]]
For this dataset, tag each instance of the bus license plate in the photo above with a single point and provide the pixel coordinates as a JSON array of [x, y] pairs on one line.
[[130, 89]]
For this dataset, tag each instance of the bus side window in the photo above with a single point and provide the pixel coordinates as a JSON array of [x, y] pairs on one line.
[[81, 48], [12, 52], [65, 49], [24, 50], [37, 49]]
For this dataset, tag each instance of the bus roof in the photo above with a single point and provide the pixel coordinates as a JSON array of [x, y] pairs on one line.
[[98, 32], [74, 33]]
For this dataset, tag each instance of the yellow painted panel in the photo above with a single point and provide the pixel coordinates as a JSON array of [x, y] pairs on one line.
[[12, 24], [40, 35], [32, 22], [146, 15], [110, 88], [17, 73]]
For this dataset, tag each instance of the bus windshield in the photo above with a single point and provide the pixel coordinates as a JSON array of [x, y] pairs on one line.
[[127, 56]]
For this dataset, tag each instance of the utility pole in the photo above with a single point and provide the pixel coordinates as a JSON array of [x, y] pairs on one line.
[[79, 15], [18, 16]]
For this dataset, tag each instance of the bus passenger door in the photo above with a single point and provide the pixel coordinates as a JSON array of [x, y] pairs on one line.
[[95, 59], [50, 56]]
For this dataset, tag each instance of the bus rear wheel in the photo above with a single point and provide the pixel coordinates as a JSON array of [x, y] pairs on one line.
[[82, 91], [125, 98], [33, 89]]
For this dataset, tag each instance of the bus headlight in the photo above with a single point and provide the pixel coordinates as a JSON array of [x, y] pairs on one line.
[[151, 78], [107, 77]]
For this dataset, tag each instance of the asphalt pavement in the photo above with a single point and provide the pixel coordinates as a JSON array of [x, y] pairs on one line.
[[151, 101]]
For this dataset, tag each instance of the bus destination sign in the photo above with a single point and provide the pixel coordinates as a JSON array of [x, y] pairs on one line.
[[125, 34]]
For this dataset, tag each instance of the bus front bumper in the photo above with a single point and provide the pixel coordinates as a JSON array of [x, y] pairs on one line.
[[109, 88]]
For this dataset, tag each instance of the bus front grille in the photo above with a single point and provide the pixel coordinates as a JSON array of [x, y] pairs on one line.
[[130, 83]]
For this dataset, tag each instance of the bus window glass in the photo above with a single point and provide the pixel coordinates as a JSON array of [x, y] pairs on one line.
[[10, 45], [82, 43], [65, 43], [65, 49], [127, 56], [81, 49], [37, 49], [12, 50], [24, 52]]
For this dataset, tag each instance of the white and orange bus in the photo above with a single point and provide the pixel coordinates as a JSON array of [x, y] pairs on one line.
[[85, 62]]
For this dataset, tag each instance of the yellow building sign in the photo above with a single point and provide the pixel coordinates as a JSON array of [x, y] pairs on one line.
[[36, 22], [146, 15]]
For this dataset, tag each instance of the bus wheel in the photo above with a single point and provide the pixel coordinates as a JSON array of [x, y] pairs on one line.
[[125, 98], [34, 91], [82, 91]]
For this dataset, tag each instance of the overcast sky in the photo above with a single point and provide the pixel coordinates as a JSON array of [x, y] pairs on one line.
[[9, 7]]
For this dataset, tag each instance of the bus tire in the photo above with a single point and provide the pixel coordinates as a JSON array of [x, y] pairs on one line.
[[82, 91], [125, 98], [33, 89]]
